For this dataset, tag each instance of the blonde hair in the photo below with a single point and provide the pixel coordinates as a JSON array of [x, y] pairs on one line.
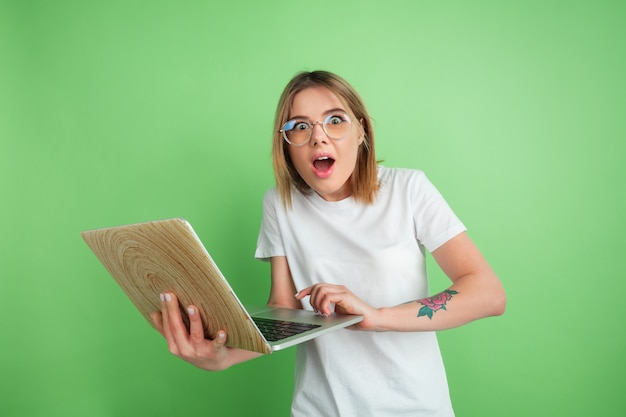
[[364, 179]]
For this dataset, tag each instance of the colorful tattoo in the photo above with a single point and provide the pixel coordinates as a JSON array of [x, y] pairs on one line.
[[435, 303]]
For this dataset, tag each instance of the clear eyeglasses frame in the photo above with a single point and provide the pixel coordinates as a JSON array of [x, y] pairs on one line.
[[298, 132]]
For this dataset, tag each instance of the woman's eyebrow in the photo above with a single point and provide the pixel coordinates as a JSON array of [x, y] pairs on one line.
[[333, 110]]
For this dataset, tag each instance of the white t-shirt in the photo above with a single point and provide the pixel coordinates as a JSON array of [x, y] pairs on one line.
[[377, 251]]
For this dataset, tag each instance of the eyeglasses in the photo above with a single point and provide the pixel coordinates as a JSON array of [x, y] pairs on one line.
[[298, 132]]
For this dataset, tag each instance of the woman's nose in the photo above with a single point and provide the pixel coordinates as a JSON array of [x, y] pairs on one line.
[[318, 134]]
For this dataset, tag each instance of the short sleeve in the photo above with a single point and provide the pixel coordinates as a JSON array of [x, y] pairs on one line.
[[435, 222], [269, 242]]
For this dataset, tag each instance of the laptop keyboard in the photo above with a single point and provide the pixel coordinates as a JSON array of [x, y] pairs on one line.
[[274, 330]]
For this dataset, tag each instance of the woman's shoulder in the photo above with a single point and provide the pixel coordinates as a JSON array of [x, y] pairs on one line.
[[399, 175], [270, 193], [270, 198]]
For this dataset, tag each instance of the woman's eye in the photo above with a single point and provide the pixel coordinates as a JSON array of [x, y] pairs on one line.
[[335, 120], [301, 126]]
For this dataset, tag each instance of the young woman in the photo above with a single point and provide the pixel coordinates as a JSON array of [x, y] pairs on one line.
[[345, 234]]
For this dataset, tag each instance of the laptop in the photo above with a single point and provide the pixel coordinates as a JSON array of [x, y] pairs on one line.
[[147, 259]]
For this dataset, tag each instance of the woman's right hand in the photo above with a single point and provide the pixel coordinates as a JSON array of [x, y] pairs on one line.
[[190, 345]]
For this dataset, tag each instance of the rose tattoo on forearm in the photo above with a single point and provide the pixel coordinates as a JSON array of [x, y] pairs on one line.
[[435, 303]]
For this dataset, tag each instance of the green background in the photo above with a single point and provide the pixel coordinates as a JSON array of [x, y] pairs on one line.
[[115, 112]]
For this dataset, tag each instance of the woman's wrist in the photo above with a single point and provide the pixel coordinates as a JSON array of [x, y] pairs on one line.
[[379, 321]]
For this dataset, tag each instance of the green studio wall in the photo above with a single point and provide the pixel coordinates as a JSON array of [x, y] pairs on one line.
[[122, 111]]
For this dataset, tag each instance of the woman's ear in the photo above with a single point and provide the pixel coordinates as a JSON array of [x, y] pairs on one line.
[[362, 128]]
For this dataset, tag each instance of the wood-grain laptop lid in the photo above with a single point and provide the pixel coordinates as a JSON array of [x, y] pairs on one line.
[[148, 259]]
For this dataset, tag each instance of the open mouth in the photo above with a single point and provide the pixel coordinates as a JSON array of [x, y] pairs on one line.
[[323, 163]]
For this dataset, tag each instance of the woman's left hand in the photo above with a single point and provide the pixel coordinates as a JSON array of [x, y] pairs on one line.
[[323, 295]]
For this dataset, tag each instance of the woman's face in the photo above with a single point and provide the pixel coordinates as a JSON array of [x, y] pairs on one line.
[[325, 164]]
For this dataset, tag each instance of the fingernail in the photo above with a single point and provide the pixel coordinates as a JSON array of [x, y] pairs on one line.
[[168, 297], [191, 311], [162, 297], [297, 294], [221, 336]]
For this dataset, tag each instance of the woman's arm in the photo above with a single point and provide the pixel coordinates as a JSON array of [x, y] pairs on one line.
[[283, 288], [476, 292]]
